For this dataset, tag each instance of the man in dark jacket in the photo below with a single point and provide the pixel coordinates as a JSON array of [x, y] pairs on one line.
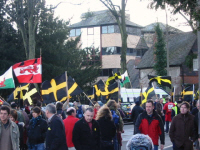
[[86, 132], [55, 136], [150, 123], [181, 129], [136, 111], [196, 122]]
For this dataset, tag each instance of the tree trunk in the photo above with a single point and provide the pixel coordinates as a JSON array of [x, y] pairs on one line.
[[123, 37], [31, 31]]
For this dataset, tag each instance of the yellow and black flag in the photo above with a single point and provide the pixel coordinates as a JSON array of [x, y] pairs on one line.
[[18, 92], [54, 90], [149, 93], [100, 88], [113, 88], [112, 78], [196, 97], [91, 95], [32, 95], [162, 80], [188, 93], [73, 88]]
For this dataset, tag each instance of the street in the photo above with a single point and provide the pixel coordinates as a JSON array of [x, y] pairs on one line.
[[128, 132]]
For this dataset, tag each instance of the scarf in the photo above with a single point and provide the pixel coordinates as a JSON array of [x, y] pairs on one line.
[[35, 120]]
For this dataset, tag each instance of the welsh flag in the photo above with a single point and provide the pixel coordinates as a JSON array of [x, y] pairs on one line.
[[6, 80], [125, 79], [29, 71]]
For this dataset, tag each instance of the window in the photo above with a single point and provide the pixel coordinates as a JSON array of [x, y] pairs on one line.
[[109, 71], [108, 51], [118, 50], [78, 32], [131, 51], [108, 29], [75, 32], [90, 31], [104, 29], [72, 32]]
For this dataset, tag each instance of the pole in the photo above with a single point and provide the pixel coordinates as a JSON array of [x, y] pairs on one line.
[[174, 94], [88, 98], [167, 48], [66, 84], [198, 58]]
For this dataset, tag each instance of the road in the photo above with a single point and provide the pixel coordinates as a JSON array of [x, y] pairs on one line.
[[128, 132]]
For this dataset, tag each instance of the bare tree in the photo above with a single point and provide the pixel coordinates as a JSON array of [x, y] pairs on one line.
[[26, 15], [119, 14]]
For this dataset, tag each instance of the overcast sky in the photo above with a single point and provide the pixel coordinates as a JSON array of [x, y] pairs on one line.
[[139, 13]]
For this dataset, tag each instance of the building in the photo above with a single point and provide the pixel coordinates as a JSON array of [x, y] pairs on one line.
[[100, 30], [181, 47]]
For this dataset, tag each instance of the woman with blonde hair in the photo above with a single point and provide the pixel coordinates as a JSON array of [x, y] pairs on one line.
[[107, 127], [96, 108]]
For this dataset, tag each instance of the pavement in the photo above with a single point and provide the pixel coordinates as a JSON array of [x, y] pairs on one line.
[[128, 132]]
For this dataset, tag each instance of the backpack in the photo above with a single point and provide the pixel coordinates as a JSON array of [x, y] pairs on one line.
[[79, 112], [115, 117], [140, 142]]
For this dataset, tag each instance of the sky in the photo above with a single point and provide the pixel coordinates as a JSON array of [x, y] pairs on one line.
[[139, 13]]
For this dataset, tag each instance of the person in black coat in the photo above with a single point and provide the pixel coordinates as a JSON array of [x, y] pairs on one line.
[[136, 111], [55, 137], [86, 132], [37, 130], [195, 110], [60, 112], [107, 128]]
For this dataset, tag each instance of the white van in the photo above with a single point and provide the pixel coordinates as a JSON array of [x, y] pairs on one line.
[[128, 95]]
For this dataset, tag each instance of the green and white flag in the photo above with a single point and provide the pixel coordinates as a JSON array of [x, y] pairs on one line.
[[6, 80], [125, 79]]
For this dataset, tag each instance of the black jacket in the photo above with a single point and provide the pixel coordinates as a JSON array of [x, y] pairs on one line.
[[135, 112], [194, 111], [196, 135], [37, 134], [55, 137], [107, 128], [62, 113], [83, 138]]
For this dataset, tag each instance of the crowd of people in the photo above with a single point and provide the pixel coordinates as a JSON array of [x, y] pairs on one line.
[[179, 120], [61, 127]]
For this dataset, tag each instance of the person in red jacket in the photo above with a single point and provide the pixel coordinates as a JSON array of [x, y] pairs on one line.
[[96, 108], [150, 123], [69, 123], [168, 111]]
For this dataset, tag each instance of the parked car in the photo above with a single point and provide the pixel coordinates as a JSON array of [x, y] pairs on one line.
[[127, 108]]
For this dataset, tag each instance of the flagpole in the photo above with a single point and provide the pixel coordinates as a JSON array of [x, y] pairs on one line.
[[66, 84], [88, 98], [154, 90], [2, 99], [174, 93], [193, 94]]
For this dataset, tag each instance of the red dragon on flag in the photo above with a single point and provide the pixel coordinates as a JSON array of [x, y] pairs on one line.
[[2, 83], [29, 71]]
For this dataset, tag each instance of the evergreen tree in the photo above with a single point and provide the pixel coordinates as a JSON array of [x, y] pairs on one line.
[[160, 53]]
